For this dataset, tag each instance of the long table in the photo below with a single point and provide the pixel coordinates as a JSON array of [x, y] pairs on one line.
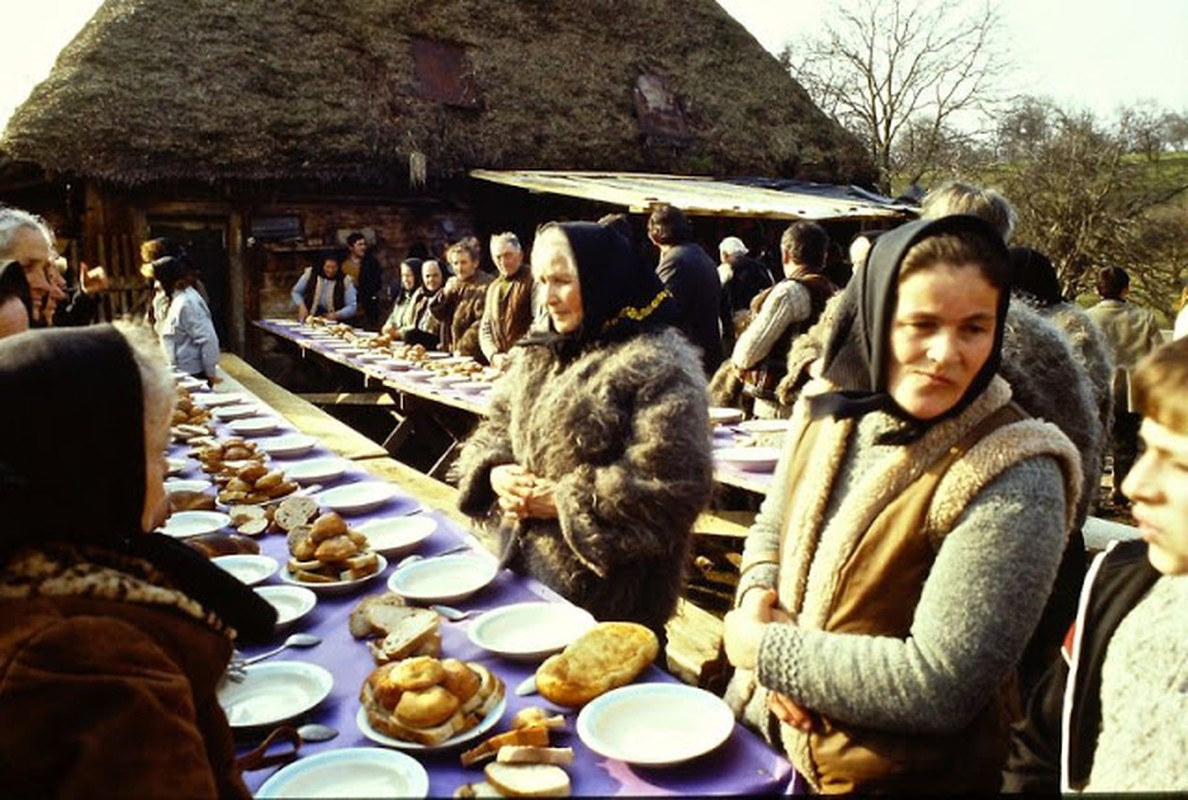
[[742, 765], [418, 399]]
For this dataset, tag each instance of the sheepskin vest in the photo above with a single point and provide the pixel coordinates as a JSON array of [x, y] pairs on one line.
[[862, 572], [313, 293], [510, 300]]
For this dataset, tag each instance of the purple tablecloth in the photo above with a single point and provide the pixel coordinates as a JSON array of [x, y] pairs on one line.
[[744, 764]]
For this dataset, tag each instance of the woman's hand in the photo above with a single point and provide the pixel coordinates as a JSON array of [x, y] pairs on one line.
[[744, 627], [302, 312], [523, 494], [789, 711]]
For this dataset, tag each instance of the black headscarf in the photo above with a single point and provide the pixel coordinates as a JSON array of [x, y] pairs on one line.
[[858, 349], [620, 296], [1034, 278], [14, 284], [66, 478]]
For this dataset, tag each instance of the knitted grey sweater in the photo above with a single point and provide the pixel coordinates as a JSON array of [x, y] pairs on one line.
[[979, 605]]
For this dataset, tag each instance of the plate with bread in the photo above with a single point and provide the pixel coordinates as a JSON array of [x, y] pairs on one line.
[[328, 556], [655, 724], [349, 772], [274, 692], [529, 631], [426, 703]]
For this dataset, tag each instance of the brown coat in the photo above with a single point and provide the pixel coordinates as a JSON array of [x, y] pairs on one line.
[[459, 306], [106, 698], [508, 313]]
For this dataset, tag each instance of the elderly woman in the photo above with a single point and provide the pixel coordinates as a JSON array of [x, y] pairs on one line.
[[328, 293], [112, 640], [595, 457], [404, 301], [905, 552], [459, 304]]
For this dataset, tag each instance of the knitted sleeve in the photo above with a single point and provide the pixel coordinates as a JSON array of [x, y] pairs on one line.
[[788, 303], [979, 605]]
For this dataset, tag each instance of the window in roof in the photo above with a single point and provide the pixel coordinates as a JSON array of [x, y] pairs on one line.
[[444, 73], [659, 111]]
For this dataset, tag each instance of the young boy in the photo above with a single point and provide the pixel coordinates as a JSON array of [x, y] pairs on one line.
[[1111, 716]]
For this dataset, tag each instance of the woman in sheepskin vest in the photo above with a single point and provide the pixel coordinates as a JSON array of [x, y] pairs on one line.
[[912, 535], [595, 456]]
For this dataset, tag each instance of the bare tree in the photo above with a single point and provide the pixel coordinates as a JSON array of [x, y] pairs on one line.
[[1087, 200], [882, 65]]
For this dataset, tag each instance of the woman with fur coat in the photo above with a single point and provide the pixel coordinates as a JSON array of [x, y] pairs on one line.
[[112, 640], [917, 518], [595, 456]]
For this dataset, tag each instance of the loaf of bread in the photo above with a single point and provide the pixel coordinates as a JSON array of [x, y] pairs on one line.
[[223, 544], [413, 632], [609, 655], [377, 615], [188, 500]]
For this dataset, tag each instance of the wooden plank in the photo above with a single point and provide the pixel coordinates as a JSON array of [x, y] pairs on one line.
[[348, 398], [305, 416]]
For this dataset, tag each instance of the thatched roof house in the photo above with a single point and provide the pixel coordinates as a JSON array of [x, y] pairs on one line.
[[356, 90], [262, 132]]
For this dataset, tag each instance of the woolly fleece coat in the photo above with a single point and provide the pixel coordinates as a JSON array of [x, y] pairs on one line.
[[623, 431]]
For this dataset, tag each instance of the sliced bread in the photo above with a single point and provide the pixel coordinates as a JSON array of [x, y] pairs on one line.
[[528, 780]]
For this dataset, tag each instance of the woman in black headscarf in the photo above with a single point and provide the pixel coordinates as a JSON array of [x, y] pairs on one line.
[[904, 554], [404, 300], [112, 639], [595, 457]]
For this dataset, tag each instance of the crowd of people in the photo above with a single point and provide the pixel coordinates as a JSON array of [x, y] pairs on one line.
[[904, 593]]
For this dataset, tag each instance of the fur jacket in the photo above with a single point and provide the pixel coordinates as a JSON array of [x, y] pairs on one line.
[[623, 430], [459, 307], [108, 681]]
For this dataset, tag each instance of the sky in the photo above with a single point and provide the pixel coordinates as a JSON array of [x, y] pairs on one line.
[[1092, 54]]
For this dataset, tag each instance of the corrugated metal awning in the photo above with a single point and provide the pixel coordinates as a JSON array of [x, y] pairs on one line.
[[702, 196]]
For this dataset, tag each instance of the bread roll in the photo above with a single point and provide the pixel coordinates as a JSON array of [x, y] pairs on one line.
[[222, 544], [609, 655]]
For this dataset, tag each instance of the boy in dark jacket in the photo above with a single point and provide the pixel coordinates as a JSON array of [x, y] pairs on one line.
[[1109, 716]]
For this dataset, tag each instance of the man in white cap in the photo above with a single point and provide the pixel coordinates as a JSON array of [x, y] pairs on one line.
[[742, 278]]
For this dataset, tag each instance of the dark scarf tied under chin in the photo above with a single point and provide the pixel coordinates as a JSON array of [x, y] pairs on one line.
[[620, 296], [73, 463], [857, 355]]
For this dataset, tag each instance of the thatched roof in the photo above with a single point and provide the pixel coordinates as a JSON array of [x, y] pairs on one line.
[[328, 90]]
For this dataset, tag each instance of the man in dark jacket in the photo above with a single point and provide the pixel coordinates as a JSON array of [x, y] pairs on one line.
[[691, 277], [1120, 687]]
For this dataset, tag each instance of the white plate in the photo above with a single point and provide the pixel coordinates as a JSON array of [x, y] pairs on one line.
[[436, 354], [179, 465], [355, 498], [765, 425], [372, 355], [396, 364], [448, 380], [529, 631], [291, 602], [720, 415], [254, 426], [443, 579], [287, 444], [418, 374], [349, 773], [493, 716], [193, 523], [396, 535], [655, 724], [219, 399], [193, 384], [194, 485], [316, 470], [285, 323], [250, 569], [334, 587], [237, 411], [472, 387], [274, 692], [749, 459]]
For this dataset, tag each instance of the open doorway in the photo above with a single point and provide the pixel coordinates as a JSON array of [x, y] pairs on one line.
[[205, 240]]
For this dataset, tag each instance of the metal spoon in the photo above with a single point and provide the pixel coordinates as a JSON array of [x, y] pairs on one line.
[[316, 732], [294, 640], [455, 614]]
